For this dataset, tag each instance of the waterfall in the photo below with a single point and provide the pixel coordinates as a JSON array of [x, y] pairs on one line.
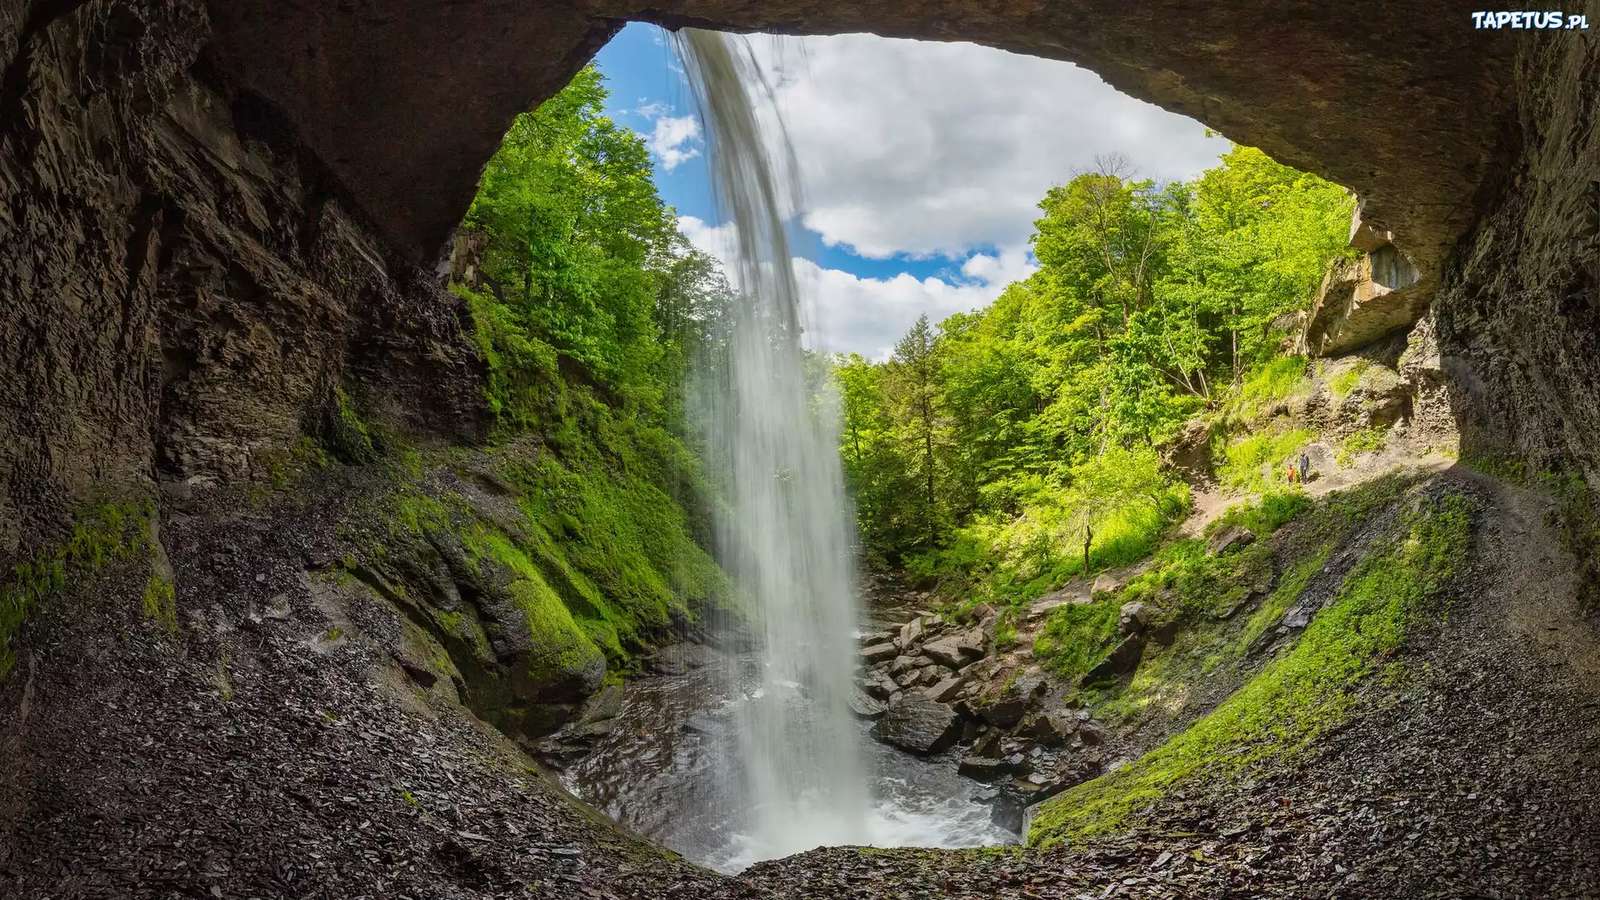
[[785, 532]]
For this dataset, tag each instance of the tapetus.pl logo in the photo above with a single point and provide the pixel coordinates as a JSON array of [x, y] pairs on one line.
[[1530, 20]]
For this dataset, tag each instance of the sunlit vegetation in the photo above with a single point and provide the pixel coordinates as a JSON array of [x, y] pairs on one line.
[[1391, 594], [1001, 452]]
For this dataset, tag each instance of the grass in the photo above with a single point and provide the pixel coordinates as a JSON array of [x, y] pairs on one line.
[[1276, 381], [1252, 462], [1343, 383], [1297, 697], [1077, 637], [1272, 511], [1364, 441]]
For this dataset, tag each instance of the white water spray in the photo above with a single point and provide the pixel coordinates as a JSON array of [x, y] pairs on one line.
[[785, 535]]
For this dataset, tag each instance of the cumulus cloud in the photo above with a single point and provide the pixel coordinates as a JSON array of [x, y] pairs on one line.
[[848, 313], [673, 139], [940, 151], [933, 149]]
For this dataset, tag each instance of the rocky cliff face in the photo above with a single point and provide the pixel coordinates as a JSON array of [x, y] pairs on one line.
[[1519, 312], [183, 288]]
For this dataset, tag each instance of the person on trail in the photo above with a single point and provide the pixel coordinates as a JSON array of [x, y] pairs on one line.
[[1305, 467], [1288, 474]]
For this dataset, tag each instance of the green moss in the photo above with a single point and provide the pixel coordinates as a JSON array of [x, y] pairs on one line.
[[1289, 588], [1343, 383], [560, 646], [349, 437], [1364, 441], [1298, 697], [100, 535], [1253, 462], [161, 601]]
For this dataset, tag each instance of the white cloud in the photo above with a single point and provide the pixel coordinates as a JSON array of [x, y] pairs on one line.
[[848, 313], [673, 140], [934, 149], [938, 150]]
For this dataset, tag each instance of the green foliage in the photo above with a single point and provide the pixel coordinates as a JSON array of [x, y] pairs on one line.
[[1271, 511], [1151, 304], [1119, 501], [100, 535], [1253, 462], [1296, 698], [1273, 382], [587, 308], [1077, 637], [1365, 440]]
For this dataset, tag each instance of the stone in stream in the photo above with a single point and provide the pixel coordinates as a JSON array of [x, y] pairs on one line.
[[879, 652], [983, 767], [677, 659], [864, 705], [877, 684], [918, 724], [875, 637]]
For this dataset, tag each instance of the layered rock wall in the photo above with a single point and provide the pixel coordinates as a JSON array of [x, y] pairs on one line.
[[183, 287]]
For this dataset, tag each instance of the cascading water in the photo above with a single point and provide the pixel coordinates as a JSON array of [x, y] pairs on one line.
[[785, 535], [764, 758]]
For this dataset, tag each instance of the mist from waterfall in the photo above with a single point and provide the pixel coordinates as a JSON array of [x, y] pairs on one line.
[[785, 532]]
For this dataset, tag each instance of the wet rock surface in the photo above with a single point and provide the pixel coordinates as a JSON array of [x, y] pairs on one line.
[[918, 724]]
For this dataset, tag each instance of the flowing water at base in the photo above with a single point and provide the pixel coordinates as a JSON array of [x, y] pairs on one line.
[[670, 767]]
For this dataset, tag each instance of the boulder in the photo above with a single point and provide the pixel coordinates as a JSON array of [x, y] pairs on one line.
[[984, 767], [904, 664], [877, 684], [1122, 661], [879, 652], [957, 650], [918, 724], [1230, 537], [1134, 618], [1052, 729], [1004, 711], [1091, 733], [865, 706], [875, 637], [911, 632], [946, 689], [1105, 583]]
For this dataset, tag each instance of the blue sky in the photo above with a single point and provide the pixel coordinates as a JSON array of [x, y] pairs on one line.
[[922, 164]]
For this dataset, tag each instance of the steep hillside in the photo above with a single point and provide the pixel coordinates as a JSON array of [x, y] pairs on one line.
[[1430, 732]]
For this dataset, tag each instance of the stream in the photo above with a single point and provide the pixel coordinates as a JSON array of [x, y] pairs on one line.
[[670, 770]]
